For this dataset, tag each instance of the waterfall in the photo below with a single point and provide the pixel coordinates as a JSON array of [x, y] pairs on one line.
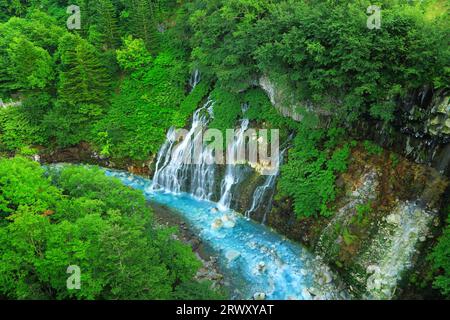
[[175, 168], [195, 79], [391, 251], [233, 172], [10, 104], [267, 188]]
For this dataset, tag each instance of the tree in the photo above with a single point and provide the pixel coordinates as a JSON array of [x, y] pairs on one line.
[[134, 56], [142, 21], [31, 67], [83, 77], [107, 24], [22, 184], [93, 222]]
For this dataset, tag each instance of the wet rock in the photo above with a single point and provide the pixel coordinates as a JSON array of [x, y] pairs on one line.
[[217, 224], [394, 219], [259, 296], [327, 277], [261, 267], [232, 255], [228, 221], [195, 243], [306, 294]]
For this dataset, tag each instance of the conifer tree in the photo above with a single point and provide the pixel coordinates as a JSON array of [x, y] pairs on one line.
[[107, 24], [143, 23], [83, 79]]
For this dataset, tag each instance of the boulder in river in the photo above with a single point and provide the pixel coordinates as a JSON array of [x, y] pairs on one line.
[[261, 267], [228, 221], [217, 224], [232, 255], [306, 294], [259, 296]]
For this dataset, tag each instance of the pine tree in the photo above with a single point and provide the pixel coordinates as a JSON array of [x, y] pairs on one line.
[[84, 79], [107, 24], [143, 21], [88, 16]]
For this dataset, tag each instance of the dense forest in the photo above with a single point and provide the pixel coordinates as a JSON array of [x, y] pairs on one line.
[[117, 85]]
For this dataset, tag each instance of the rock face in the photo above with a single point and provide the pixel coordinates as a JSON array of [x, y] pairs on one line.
[[83, 153], [329, 243], [421, 126], [373, 248], [284, 102], [370, 250], [391, 250], [421, 129]]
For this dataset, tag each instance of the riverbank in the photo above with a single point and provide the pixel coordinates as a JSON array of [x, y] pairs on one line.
[[211, 270]]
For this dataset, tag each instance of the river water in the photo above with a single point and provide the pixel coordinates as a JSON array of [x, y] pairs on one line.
[[255, 260]]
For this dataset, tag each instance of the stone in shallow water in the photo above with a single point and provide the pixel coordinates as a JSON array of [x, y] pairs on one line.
[[217, 224], [259, 296], [306, 295], [261, 267], [327, 277], [232, 255], [228, 221]]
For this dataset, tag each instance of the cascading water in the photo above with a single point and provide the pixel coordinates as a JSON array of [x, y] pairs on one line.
[[268, 188], [183, 168], [195, 79], [392, 250], [233, 172]]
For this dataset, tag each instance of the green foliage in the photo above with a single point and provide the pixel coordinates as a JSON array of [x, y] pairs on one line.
[[323, 50], [349, 239], [372, 148], [16, 131], [65, 79], [22, 184], [362, 212], [147, 104], [191, 103], [107, 24], [263, 112], [227, 110], [26, 53], [394, 159], [80, 217], [310, 173], [31, 66], [142, 21], [84, 79], [134, 57], [440, 260]]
